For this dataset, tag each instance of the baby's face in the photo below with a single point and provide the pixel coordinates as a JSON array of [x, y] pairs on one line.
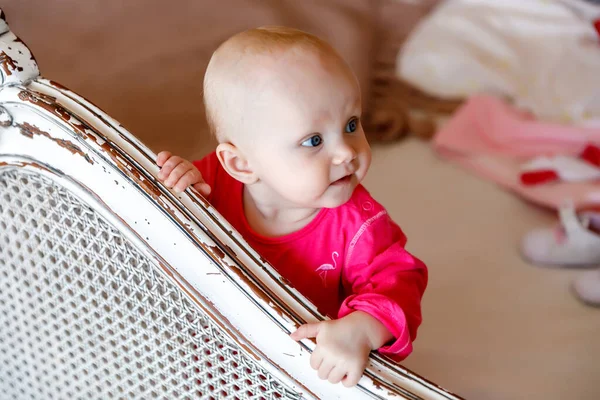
[[308, 146]]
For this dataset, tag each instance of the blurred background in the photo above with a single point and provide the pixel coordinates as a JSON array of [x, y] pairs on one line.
[[459, 97]]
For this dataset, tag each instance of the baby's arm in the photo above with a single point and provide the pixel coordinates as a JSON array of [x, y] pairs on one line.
[[178, 173], [388, 284], [344, 345], [382, 311]]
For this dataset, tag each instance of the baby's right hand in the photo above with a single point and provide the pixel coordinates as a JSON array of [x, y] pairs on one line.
[[178, 174]]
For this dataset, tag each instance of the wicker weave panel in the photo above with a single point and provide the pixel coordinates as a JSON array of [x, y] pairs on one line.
[[84, 315]]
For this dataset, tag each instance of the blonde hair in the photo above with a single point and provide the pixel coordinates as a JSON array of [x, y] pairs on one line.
[[239, 54]]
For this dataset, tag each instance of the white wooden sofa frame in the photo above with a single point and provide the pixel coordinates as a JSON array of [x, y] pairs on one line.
[[113, 286]]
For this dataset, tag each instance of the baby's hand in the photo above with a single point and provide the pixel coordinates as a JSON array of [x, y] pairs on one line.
[[178, 174], [343, 346]]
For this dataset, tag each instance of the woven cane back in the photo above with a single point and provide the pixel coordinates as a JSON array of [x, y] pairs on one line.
[[85, 315]]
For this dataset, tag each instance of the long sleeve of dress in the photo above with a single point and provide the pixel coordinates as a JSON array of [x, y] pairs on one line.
[[382, 279]]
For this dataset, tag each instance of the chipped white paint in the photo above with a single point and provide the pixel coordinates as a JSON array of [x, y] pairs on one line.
[[46, 128], [16, 61]]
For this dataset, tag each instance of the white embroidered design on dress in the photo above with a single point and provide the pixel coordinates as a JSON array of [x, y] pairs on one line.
[[323, 269]]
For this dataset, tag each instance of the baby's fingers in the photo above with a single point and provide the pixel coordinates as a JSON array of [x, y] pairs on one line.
[[325, 369], [162, 157], [353, 376], [168, 166], [337, 374], [316, 359], [203, 188], [191, 177], [177, 173], [306, 331]]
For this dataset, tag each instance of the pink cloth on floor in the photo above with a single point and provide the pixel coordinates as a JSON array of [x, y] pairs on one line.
[[493, 139]]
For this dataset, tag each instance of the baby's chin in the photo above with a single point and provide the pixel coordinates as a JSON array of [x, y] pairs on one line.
[[334, 195], [324, 201], [338, 199]]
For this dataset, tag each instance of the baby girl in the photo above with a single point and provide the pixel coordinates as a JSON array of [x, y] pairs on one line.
[[285, 109]]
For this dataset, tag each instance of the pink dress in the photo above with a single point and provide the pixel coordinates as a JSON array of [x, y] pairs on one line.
[[347, 258]]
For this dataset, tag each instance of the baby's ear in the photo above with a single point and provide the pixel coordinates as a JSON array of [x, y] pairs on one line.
[[236, 165]]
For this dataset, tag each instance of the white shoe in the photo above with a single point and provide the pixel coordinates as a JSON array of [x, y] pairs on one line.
[[587, 287], [571, 244]]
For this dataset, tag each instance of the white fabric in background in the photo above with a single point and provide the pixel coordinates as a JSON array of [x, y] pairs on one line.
[[542, 54]]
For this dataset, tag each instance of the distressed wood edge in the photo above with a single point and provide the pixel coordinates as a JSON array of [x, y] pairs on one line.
[[17, 63]]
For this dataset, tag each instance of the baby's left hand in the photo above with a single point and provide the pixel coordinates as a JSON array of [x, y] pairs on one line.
[[344, 345]]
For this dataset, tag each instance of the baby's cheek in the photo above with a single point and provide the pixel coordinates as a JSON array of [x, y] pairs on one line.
[[365, 158], [308, 187], [319, 181]]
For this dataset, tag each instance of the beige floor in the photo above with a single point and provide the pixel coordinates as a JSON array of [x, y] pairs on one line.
[[494, 327]]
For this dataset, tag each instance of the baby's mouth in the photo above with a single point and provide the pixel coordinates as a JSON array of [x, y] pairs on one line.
[[344, 180]]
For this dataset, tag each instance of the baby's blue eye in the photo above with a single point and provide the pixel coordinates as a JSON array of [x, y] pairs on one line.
[[314, 141], [352, 125]]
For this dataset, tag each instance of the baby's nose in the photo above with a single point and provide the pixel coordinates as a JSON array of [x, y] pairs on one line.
[[344, 154]]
